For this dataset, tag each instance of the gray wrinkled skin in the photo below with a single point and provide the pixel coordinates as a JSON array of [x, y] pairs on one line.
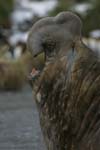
[[56, 32], [67, 91]]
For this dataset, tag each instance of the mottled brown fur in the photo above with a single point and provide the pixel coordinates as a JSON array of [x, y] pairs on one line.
[[70, 101]]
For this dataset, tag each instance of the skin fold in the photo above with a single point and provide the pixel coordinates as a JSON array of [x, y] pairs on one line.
[[67, 89]]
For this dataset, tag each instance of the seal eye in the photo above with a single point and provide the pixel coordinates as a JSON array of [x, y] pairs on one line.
[[49, 47]]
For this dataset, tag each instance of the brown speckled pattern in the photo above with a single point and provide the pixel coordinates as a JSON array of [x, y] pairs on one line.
[[68, 101]]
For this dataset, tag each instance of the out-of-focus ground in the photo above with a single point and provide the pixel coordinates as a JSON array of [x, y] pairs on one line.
[[19, 122]]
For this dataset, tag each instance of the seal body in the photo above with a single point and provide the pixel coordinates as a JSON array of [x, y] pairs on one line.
[[68, 98], [67, 91]]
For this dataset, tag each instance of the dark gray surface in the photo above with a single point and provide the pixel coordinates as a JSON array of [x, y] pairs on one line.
[[19, 122]]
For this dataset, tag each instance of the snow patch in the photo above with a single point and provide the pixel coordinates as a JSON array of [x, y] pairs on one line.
[[25, 9], [82, 8], [18, 37], [95, 34]]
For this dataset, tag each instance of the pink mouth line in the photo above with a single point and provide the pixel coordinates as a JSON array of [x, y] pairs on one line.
[[34, 74]]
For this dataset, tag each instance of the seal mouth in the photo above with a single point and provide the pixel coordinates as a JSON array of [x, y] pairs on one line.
[[34, 74], [36, 71]]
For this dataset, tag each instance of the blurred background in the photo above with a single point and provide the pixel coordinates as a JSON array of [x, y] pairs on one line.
[[19, 126], [16, 18]]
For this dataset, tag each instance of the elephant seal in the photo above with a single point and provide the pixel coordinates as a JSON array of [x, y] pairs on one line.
[[67, 89]]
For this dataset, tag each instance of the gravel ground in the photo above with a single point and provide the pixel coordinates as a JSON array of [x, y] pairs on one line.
[[19, 122]]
